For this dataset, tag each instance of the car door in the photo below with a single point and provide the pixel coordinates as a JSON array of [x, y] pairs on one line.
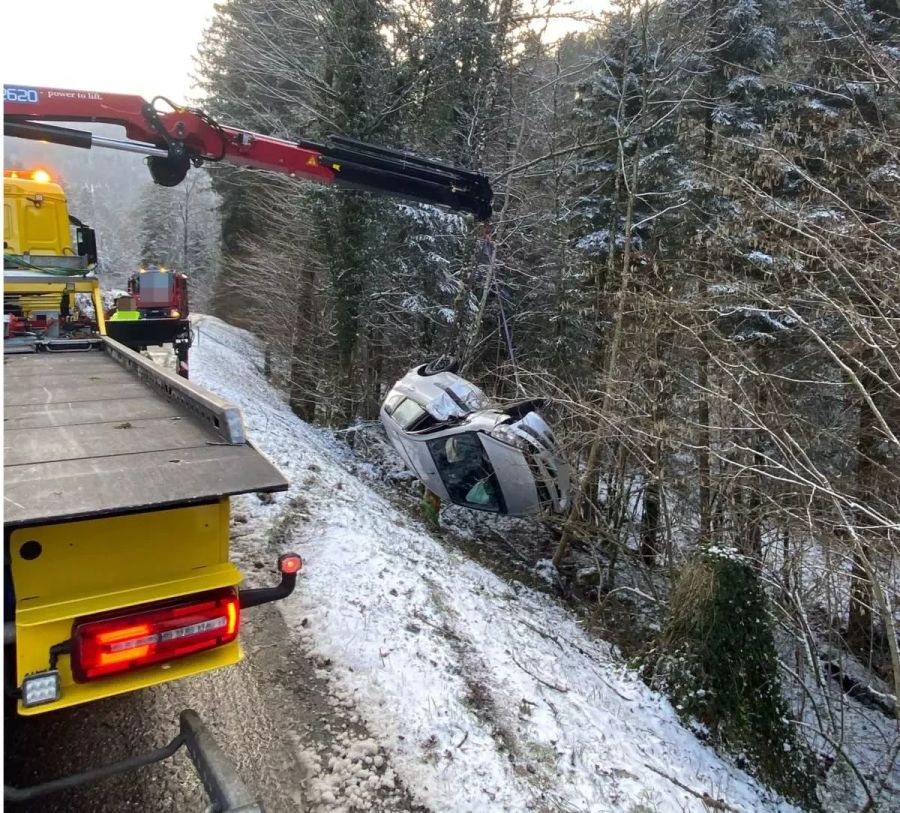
[[514, 477]]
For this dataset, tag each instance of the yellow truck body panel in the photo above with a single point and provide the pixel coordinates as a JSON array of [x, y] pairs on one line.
[[72, 570]]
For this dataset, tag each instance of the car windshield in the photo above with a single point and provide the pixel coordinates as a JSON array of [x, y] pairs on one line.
[[466, 471]]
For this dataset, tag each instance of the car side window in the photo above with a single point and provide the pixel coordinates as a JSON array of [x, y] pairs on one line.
[[466, 471], [391, 402], [407, 412]]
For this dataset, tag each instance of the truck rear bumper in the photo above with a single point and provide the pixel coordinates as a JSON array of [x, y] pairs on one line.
[[36, 630]]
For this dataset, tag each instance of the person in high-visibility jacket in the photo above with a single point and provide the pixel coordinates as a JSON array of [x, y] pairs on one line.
[[126, 310]]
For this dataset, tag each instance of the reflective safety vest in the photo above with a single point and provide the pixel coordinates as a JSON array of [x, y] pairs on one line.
[[125, 316]]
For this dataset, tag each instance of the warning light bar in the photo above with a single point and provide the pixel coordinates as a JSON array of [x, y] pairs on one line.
[[153, 634], [39, 175]]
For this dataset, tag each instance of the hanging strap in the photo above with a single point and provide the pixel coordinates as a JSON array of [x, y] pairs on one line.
[[487, 254]]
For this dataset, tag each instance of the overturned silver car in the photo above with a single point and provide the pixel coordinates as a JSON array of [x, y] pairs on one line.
[[468, 452]]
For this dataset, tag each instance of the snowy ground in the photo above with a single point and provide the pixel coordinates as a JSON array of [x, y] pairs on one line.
[[483, 695]]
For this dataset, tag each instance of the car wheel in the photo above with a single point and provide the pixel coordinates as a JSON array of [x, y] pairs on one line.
[[442, 364]]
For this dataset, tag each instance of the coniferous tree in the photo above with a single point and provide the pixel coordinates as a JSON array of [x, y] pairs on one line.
[[696, 240]]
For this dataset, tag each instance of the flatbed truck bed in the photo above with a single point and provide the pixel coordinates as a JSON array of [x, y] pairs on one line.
[[105, 432]]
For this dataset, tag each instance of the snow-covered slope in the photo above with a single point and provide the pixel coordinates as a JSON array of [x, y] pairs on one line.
[[487, 695]]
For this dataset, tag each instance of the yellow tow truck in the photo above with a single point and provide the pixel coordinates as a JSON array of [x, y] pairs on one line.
[[117, 479]]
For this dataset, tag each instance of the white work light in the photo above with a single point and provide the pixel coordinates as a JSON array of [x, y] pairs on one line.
[[40, 688]]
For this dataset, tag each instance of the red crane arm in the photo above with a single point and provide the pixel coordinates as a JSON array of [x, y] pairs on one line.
[[174, 139]]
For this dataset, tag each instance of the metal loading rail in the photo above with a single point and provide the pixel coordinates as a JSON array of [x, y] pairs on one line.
[[105, 431]]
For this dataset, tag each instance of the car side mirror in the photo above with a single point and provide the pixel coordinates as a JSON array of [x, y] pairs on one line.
[[86, 241]]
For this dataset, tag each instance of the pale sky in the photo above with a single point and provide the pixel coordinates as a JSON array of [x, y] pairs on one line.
[[122, 46], [112, 46]]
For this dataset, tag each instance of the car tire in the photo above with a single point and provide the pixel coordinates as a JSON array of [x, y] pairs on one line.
[[442, 364]]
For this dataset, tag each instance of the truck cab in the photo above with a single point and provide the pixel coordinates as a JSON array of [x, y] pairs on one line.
[[160, 293], [35, 216], [36, 223]]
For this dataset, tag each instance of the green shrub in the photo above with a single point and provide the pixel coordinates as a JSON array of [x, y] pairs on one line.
[[716, 658]]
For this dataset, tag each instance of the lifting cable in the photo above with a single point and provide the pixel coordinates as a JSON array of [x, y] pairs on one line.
[[487, 254]]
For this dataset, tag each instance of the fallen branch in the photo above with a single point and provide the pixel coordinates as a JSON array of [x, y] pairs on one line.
[[870, 803], [509, 545], [443, 629], [625, 588], [540, 680], [588, 655], [709, 801], [865, 695]]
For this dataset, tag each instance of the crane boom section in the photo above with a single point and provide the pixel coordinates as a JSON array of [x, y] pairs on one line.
[[175, 139]]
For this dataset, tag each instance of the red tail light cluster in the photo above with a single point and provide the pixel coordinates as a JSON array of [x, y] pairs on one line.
[[153, 633]]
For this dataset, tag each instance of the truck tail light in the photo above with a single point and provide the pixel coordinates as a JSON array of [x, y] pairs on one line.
[[153, 633], [290, 563]]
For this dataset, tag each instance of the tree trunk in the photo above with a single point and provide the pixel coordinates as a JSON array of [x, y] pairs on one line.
[[304, 386], [650, 522], [860, 618], [752, 525], [703, 450], [615, 345], [375, 353], [860, 615], [651, 503]]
